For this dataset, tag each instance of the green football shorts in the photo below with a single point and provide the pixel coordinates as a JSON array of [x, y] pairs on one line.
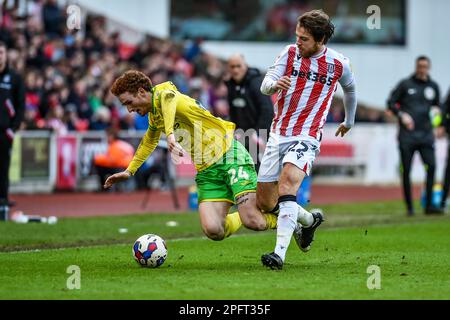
[[228, 178]]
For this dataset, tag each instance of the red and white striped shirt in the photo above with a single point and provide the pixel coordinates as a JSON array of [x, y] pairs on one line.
[[303, 109]]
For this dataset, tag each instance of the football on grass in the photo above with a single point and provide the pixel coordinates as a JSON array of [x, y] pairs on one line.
[[150, 250]]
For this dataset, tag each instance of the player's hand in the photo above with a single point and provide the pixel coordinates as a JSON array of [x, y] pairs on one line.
[[341, 130], [117, 177], [407, 121], [174, 146], [284, 83]]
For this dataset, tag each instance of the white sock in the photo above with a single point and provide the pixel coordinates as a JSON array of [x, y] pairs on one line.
[[287, 220], [305, 218]]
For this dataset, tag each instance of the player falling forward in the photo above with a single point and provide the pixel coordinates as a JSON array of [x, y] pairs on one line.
[[305, 75], [226, 173]]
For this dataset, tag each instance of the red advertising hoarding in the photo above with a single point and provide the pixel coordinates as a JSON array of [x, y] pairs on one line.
[[66, 176]]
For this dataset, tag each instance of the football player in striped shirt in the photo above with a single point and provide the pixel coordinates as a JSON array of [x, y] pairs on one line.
[[226, 173], [305, 77]]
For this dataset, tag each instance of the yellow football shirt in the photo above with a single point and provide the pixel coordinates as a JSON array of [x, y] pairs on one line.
[[205, 137]]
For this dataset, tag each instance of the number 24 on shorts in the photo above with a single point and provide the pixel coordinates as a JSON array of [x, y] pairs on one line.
[[241, 174]]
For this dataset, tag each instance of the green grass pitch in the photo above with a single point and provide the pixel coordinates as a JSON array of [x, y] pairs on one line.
[[411, 253]]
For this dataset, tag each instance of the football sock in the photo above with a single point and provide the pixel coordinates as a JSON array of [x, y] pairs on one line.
[[271, 220], [305, 218], [275, 210], [232, 223], [287, 221]]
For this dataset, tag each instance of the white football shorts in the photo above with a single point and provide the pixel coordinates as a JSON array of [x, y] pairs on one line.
[[301, 151]]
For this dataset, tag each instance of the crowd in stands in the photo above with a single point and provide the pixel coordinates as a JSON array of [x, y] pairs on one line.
[[68, 73]]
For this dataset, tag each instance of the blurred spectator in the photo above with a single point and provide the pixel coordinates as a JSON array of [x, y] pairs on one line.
[[53, 19], [74, 123], [79, 98], [55, 120], [200, 92], [33, 91], [192, 49], [249, 108], [101, 119], [30, 121], [116, 158], [218, 100]]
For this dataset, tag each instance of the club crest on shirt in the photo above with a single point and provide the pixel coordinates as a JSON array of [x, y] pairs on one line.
[[429, 93], [330, 67], [7, 78]]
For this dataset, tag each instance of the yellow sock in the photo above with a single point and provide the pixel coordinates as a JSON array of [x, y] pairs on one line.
[[232, 223], [271, 220]]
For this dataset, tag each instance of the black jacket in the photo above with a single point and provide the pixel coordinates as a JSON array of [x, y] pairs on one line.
[[415, 97], [249, 108], [12, 100]]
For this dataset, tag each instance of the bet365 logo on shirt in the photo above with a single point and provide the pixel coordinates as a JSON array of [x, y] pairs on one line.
[[313, 76]]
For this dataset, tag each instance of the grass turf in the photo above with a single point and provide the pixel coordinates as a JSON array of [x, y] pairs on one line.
[[412, 255], [104, 230]]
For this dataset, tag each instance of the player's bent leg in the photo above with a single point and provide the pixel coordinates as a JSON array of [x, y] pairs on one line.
[[289, 182], [290, 179], [251, 216], [267, 196], [213, 219], [308, 222]]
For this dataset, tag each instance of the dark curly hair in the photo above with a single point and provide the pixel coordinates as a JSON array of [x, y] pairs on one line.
[[318, 24], [130, 82]]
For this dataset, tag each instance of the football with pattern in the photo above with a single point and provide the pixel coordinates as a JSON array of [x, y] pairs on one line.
[[150, 250]]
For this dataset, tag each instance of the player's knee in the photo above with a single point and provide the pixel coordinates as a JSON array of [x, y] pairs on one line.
[[214, 233]]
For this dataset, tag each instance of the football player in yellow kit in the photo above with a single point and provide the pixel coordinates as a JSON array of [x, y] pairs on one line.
[[225, 170]]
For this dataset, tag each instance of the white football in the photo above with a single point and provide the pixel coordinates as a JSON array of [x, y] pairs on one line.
[[150, 250]]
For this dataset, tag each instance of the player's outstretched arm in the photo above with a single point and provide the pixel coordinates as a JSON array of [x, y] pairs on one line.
[[117, 177], [146, 146]]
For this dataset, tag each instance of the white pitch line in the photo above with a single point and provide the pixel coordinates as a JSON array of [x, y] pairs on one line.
[[111, 244]]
